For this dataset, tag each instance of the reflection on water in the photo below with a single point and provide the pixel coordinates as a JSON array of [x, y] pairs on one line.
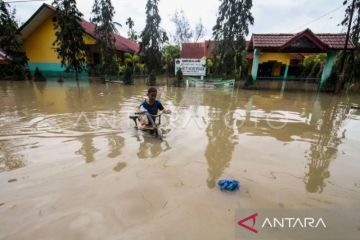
[[221, 139], [325, 143], [116, 143], [150, 147], [96, 116], [87, 149]]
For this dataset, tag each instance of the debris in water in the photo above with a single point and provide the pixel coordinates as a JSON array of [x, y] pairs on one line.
[[12, 180], [119, 166], [228, 185]]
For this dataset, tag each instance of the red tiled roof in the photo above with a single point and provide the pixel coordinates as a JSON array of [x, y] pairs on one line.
[[192, 50], [199, 50], [121, 43], [335, 41], [276, 41]]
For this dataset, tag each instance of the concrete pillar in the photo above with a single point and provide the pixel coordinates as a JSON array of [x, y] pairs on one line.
[[327, 68], [284, 79], [255, 64]]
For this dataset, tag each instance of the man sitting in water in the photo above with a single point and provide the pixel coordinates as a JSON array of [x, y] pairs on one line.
[[151, 106]]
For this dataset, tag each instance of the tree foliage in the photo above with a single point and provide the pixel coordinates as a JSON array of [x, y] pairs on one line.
[[131, 59], [152, 39], [169, 53], [69, 42], [8, 30], [131, 32], [353, 60], [209, 66], [232, 25], [102, 16], [199, 31], [183, 31], [179, 78], [355, 29], [312, 66], [9, 42]]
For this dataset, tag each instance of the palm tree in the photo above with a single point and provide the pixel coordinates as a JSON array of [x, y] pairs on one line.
[[132, 59]]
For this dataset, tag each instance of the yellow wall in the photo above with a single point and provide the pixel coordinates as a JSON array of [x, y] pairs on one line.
[[38, 45], [284, 58], [276, 69], [88, 40]]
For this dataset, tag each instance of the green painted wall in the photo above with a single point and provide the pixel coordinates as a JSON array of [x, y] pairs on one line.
[[53, 70]]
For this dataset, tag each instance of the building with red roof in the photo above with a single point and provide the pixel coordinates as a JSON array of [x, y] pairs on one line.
[[38, 36], [278, 55], [199, 50]]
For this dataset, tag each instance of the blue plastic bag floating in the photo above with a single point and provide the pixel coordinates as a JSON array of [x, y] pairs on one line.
[[228, 185]]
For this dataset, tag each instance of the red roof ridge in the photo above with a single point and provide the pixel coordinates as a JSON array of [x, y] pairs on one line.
[[288, 34], [49, 6], [121, 43], [330, 33], [274, 34], [277, 41], [310, 35]]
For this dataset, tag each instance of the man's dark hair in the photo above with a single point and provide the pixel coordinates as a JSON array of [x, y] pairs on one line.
[[151, 90]]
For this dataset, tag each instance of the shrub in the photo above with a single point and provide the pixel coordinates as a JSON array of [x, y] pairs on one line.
[[179, 77], [38, 76]]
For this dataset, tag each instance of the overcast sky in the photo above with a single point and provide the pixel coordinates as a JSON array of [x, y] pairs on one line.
[[271, 16]]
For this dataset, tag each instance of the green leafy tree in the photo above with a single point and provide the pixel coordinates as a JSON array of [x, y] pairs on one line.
[[169, 53], [179, 78], [131, 32], [209, 66], [9, 36], [131, 60], [128, 75], [69, 42], [152, 39], [8, 30], [232, 25], [38, 76], [103, 13], [141, 68], [313, 65], [355, 29]]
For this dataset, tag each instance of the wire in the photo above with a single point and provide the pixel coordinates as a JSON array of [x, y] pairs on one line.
[[317, 19]]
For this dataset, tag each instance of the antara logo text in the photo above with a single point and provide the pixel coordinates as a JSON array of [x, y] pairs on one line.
[[283, 222]]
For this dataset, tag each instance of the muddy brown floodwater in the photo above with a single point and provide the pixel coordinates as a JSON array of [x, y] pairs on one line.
[[73, 167]]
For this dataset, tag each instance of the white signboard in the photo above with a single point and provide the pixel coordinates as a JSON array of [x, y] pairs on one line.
[[191, 67]]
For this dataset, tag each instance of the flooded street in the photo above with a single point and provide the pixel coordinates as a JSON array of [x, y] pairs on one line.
[[72, 166]]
